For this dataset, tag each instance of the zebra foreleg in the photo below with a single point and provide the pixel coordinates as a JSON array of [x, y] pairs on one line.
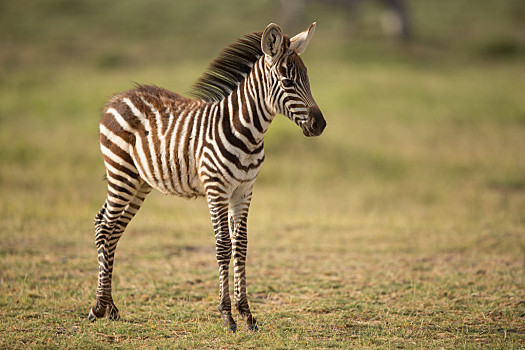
[[223, 250], [238, 227], [239, 262]]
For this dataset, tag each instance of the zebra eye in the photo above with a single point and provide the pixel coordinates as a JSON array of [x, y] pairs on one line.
[[288, 83]]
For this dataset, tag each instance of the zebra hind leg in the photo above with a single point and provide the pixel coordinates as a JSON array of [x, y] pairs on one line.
[[110, 223]]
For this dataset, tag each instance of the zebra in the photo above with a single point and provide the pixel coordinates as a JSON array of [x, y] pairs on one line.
[[209, 145]]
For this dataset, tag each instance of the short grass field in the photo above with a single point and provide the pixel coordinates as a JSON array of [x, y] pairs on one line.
[[402, 226]]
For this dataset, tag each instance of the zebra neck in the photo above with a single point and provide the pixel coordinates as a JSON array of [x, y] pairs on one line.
[[247, 109]]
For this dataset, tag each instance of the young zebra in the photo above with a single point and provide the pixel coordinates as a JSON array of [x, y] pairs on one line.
[[208, 146]]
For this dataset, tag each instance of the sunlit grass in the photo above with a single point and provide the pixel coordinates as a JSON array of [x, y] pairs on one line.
[[396, 228], [400, 227]]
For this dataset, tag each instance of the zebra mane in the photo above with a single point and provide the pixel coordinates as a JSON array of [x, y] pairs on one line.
[[228, 69]]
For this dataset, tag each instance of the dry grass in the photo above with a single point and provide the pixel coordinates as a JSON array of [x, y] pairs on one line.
[[401, 227]]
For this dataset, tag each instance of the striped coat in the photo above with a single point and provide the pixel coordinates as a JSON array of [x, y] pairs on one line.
[[210, 145]]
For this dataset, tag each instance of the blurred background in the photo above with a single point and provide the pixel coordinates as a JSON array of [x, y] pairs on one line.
[[404, 221], [424, 102], [125, 33]]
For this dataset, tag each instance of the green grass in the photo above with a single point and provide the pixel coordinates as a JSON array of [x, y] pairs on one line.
[[401, 227]]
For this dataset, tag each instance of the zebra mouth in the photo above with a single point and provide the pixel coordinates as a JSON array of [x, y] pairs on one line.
[[315, 124], [307, 132], [311, 133]]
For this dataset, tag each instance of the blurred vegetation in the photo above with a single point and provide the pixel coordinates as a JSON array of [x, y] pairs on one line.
[[401, 226], [120, 33]]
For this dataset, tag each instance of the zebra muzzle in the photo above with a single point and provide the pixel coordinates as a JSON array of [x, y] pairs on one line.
[[315, 124]]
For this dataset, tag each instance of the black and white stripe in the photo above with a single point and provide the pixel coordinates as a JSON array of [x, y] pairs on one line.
[[209, 146]]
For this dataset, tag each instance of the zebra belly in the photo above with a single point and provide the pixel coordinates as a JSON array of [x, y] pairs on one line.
[[171, 177], [185, 180]]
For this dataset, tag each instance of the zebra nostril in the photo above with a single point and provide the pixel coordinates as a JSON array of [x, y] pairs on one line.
[[321, 124], [317, 122]]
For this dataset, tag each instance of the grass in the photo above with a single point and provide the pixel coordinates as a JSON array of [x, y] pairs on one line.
[[401, 227]]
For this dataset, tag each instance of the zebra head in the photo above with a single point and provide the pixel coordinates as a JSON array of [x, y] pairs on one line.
[[288, 79]]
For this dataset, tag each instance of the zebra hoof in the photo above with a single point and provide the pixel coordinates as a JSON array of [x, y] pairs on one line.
[[112, 312], [114, 317], [91, 316], [250, 321], [228, 322]]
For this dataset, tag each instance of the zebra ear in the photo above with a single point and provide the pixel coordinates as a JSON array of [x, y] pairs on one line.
[[271, 41], [301, 40]]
